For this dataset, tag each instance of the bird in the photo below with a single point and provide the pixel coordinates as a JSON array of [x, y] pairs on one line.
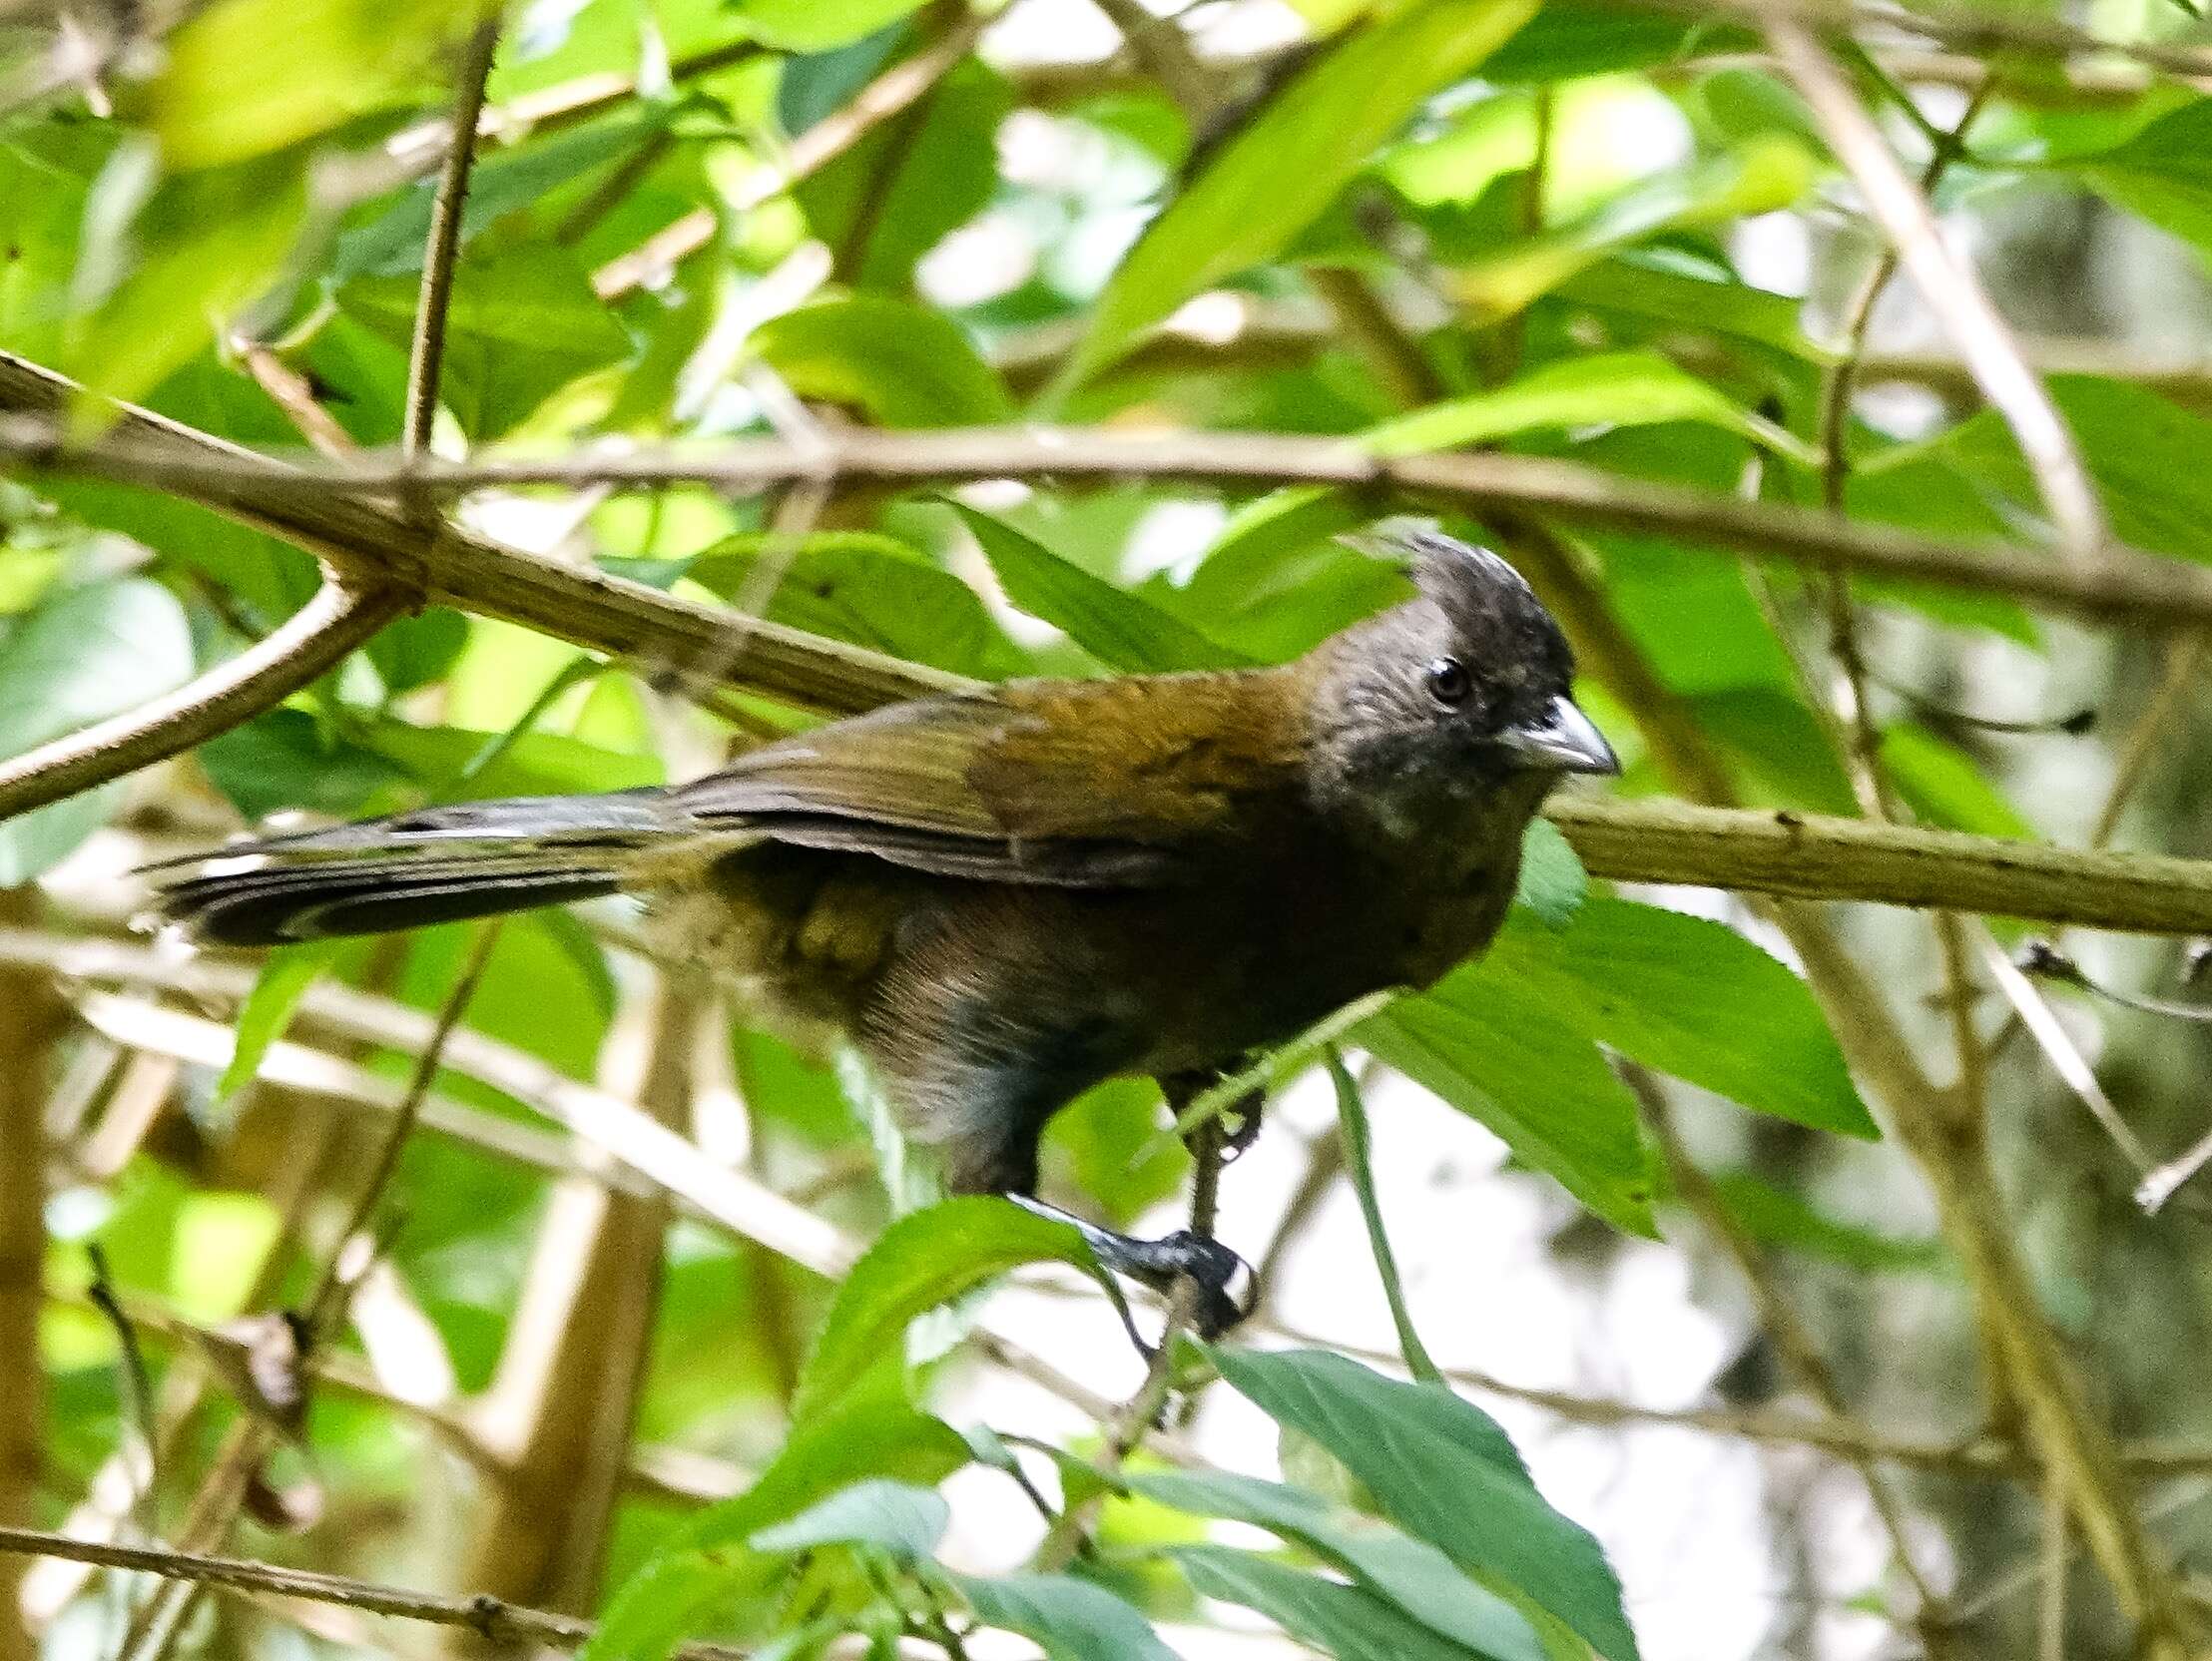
[[1000, 898]]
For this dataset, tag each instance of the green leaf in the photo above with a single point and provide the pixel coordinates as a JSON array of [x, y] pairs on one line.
[[1499, 1052], [1073, 1620], [818, 25], [1282, 169], [2163, 173], [84, 655], [1611, 390], [1443, 1469], [1684, 995], [904, 365], [1759, 177], [2145, 454], [286, 975], [1410, 1574], [867, 588], [342, 58], [925, 1259], [1941, 785], [1116, 626], [1359, 1150], [531, 764], [288, 759], [708, 1558], [1775, 1217], [1348, 1622], [892, 198], [524, 322], [897, 1518], [178, 259], [1552, 882]]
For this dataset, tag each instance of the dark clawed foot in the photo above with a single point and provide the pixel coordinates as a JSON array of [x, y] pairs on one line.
[[1244, 1122], [1225, 1282]]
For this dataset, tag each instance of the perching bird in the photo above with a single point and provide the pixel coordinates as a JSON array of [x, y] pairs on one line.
[[1002, 897]]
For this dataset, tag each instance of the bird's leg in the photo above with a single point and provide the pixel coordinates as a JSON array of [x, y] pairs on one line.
[[1224, 1281], [1240, 1119]]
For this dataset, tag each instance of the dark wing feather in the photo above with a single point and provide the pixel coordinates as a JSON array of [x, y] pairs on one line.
[[1126, 783]]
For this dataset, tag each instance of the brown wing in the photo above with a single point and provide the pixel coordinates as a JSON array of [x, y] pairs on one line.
[[1127, 782]]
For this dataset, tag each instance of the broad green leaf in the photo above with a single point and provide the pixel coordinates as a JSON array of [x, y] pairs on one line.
[[288, 759], [1648, 285], [221, 98], [818, 25], [893, 196], [1612, 389], [2164, 174], [1758, 177], [392, 243], [1941, 785], [903, 364], [46, 171], [1349, 1623], [925, 1259], [523, 324], [708, 1559], [284, 980], [2145, 454], [1282, 169], [1500, 1054], [865, 588], [1684, 995], [1553, 883], [1443, 1469], [533, 764], [1775, 1217], [163, 267], [1568, 39], [1070, 1619], [897, 1518], [1116, 626], [82, 655], [1410, 1574]]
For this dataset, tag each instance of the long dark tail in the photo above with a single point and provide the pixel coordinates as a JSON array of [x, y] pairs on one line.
[[437, 865]]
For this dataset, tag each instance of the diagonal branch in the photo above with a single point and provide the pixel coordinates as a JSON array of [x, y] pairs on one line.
[[1950, 288], [314, 640]]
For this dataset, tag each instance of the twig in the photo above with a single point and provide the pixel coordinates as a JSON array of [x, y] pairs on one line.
[[889, 95], [1950, 291], [333, 506], [1129, 1427], [312, 641], [137, 1389], [426, 351], [488, 1617]]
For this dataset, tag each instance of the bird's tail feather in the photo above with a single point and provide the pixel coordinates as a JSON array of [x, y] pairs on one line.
[[436, 865]]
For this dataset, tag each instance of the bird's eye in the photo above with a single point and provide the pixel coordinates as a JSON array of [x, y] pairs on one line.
[[1448, 683]]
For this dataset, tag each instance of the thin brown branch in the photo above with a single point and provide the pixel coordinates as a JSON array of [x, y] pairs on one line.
[[488, 1617], [426, 350], [312, 641], [883, 99], [333, 506], [1139, 1416], [1951, 290]]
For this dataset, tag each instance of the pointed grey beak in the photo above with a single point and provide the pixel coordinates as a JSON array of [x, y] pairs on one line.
[[1564, 739]]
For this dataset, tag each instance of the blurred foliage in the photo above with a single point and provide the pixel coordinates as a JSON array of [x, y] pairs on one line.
[[1429, 224]]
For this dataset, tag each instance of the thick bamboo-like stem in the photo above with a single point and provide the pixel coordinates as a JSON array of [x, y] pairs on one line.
[[559, 1415], [30, 1018]]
